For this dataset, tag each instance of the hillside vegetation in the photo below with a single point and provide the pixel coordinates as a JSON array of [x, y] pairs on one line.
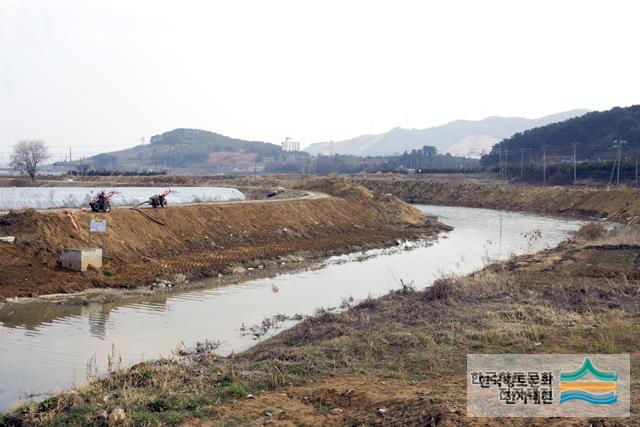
[[194, 148], [594, 133]]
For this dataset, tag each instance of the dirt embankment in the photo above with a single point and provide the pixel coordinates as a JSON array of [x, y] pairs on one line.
[[199, 240], [619, 204]]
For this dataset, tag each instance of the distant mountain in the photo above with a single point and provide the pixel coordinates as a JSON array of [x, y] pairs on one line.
[[191, 148], [458, 137], [594, 133]]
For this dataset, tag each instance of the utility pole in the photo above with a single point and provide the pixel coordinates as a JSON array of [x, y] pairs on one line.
[[522, 162], [544, 162], [69, 156], [618, 143], [615, 162], [574, 162], [501, 174], [506, 162], [619, 161]]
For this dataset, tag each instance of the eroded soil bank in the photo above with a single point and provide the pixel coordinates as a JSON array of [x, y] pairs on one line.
[[200, 240], [622, 204]]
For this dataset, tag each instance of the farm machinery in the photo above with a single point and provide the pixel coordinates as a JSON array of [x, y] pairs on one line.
[[102, 202], [159, 200]]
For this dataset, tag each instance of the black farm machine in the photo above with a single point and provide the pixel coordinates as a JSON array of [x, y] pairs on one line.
[[159, 200], [102, 202], [155, 201]]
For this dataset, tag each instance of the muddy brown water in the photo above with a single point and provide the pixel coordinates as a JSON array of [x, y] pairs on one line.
[[46, 348]]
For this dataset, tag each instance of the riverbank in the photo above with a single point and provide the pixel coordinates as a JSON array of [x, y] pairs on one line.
[[619, 204], [184, 243], [397, 359]]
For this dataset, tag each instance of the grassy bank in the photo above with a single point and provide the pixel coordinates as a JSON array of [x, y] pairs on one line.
[[397, 359]]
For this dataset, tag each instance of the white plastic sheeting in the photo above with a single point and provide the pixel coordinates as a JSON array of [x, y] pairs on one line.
[[76, 197]]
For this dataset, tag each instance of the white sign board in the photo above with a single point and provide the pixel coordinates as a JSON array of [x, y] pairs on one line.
[[98, 226]]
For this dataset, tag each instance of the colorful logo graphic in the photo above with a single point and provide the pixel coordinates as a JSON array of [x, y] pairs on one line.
[[600, 392]]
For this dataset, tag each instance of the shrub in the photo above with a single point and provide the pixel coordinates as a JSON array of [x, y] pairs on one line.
[[591, 231]]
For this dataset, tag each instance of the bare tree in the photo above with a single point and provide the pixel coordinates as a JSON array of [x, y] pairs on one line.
[[28, 155]]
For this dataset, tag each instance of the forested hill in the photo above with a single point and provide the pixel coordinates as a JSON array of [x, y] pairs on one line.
[[594, 133], [213, 141], [187, 148]]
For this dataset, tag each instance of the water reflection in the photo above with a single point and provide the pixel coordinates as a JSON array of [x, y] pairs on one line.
[[46, 346], [98, 323], [32, 316]]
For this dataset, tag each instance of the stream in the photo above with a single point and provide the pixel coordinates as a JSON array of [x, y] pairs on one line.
[[45, 348]]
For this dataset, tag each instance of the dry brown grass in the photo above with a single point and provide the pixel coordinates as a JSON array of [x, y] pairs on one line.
[[591, 231], [620, 235], [484, 285]]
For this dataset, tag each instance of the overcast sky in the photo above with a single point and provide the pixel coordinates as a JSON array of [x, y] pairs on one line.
[[98, 75]]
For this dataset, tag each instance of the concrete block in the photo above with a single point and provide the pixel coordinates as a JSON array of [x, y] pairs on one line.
[[81, 259]]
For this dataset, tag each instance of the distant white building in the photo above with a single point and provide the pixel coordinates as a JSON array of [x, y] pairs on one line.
[[290, 145]]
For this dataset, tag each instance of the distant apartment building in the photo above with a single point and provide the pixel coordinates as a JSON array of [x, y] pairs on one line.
[[290, 145]]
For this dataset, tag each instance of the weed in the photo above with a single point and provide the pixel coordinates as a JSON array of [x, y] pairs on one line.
[[425, 340], [536, 335], [46, 404], [591, 231], [228, 389], [406, 288], [390, 374], [142, 377], [446, 338], [159, 404], [143, 419], [322, 409]]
